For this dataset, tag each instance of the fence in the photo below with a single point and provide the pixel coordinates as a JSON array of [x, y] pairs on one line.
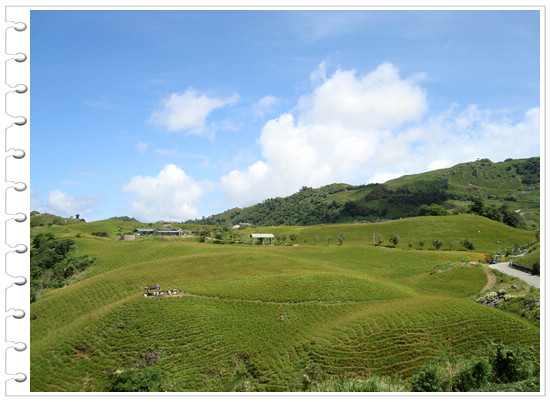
[[521, 268]]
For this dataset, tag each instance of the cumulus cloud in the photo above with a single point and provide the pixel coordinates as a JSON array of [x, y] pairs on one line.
[[372, 128], [171, 196], [188, 111], [66, 205], [379, 100], [338, 127]]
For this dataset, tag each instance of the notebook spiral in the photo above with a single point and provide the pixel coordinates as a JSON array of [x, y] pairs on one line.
[[15, 242]]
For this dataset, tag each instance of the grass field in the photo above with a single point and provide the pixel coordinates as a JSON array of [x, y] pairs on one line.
[[349, 310]]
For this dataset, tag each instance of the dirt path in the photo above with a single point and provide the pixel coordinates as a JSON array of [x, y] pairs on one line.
[[491, 280], [532, 280]]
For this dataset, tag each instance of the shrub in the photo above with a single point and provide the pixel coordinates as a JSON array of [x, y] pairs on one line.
[[429, 379], [437, 243], [147, 380], [467, 244], [473, 374], [394, 239], [511, 364]]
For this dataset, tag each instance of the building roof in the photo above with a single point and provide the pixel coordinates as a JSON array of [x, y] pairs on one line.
[[260, 235]]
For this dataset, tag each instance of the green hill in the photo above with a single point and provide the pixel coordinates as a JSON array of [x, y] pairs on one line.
[[350, 311], [514, 184]]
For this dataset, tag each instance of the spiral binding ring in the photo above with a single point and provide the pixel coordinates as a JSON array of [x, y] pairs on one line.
[[18, 186]]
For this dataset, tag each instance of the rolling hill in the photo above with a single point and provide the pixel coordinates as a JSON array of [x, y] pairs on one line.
[[350, 310], [514, 183]]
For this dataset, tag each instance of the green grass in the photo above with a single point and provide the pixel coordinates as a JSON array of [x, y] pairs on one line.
[[349, 310], [487, 235]]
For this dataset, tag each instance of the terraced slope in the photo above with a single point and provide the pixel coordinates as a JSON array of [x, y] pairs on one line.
[[348, 309]]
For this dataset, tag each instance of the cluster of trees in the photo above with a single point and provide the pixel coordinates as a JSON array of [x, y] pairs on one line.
[[306, 207], [529, 171], [53, 263], [497, 213], [422, 196], [437, 243], [500, 213]]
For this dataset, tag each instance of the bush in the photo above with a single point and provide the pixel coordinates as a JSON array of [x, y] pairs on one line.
[[511, 364], [503, 364], [394, 239], [467, 244], [473, 374], [429, 379], [147, 380]]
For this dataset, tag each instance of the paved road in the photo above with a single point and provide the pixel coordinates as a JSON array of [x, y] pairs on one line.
[[532, 280]]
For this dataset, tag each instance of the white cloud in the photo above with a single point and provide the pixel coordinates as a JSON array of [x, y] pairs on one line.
[[264, 106], [65, 205], [188, 111], [171, 195], [340, 125], [379, 100], [370, 129]]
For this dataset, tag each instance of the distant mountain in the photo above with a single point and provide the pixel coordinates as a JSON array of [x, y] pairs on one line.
[[124, 219], [512, 185]]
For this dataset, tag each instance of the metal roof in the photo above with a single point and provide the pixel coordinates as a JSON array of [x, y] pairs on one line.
[[262, 235]]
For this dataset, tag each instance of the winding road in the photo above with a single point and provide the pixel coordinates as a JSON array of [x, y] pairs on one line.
[[532, 280]]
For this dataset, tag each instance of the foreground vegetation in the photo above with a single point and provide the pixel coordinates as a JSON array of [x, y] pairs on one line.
[[353, 313]]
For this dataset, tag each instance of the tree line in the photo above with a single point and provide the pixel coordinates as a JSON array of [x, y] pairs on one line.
[[53, 263]]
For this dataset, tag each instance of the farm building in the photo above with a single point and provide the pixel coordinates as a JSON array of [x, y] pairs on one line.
[[261, 237], [162, 232]]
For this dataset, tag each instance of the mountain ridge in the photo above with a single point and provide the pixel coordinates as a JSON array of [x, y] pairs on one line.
[[512, 183]]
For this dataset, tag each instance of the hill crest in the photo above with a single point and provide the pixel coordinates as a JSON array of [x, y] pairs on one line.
[[514, 183]]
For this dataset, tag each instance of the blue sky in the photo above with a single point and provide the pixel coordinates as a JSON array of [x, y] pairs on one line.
[[174, 115]]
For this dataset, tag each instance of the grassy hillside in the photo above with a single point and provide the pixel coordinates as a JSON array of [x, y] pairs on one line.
[[350, 310], [512, 183]]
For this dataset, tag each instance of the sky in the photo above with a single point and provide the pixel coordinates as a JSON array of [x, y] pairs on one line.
[[175, 115]]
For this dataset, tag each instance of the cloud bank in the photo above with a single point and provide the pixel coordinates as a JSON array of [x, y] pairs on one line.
[[372, 128], [350, 128]]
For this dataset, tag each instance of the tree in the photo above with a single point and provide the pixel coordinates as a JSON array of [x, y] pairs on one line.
[[421, 243], [378, 239], [477, 207], [432, 210], [293, 238], [281, 238], [341, 238], [437, 243], [394, 239], [467, 244]]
